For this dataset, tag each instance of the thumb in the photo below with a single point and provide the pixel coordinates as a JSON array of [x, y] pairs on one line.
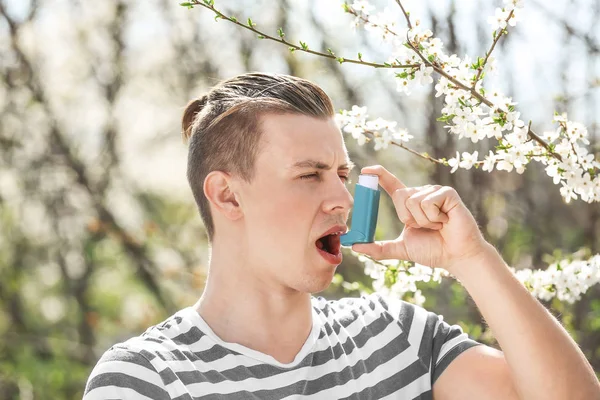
[[383, 250]]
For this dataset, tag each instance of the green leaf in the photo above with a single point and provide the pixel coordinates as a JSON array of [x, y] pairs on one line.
[[360, 56], [330, 52], [234, 19], [187, 4], [304, 45], [446, 118], [281, 33], [402, 75], [250, 23], [431, 58], [387, 64], [292, 49], [340, 59], [261, 36], [346, 7]]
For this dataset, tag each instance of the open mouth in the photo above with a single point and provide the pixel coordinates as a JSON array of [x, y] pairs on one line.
[[329, 243], [329, 247]]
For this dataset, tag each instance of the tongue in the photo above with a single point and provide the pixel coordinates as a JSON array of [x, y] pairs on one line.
[[320, 244]]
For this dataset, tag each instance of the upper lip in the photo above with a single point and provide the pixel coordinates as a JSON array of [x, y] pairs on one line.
[[336, 228]]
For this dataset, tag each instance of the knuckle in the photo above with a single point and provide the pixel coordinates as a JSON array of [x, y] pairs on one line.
[[412, 201], [428, 201]]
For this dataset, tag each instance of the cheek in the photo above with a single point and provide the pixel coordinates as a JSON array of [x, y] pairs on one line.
[[285, 214]]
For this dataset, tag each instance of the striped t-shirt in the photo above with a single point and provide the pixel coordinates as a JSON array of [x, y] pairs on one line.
[[359, 348]]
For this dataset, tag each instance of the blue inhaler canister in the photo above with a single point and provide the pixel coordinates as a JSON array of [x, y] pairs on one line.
[[364, 212]]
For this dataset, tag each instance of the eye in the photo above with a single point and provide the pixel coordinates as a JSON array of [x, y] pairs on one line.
[[309, 176], [344, 178]]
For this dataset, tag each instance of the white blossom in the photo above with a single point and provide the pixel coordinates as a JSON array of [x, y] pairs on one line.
[[498, 21]]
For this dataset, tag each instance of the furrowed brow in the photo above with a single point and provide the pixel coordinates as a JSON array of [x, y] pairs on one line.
[[321, 165]]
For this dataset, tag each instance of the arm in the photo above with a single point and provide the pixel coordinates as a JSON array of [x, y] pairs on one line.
[[539, 359]]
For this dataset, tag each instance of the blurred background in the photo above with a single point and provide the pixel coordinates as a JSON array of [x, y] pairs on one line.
[[99, 234]]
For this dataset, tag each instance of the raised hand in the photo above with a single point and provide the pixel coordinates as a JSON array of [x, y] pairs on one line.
[[439, 230]]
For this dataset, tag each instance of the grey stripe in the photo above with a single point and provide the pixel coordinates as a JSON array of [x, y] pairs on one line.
[[392, 384], [123, 380], [451, 355], [240, 373], [428, 395], [406, 316], [426, 346], [330, 380], [444, 334], [316, 358], [189, 337]]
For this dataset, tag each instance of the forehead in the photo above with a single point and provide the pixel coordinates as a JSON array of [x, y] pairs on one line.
[[291, 138]]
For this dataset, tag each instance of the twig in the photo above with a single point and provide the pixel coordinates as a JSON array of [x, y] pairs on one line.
[[487, 56], [471, 90], [405, 14], [425, 156], [263, 35]]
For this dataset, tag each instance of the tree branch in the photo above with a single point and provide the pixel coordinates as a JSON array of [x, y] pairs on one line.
[[293, 46]]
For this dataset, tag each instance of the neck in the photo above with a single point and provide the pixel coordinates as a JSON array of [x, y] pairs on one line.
[[243, 307]]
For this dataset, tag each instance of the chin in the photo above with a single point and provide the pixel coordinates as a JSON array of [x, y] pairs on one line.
[[315, 283]]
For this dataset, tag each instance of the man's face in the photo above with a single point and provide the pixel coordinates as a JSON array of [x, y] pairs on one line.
[[290, 204]]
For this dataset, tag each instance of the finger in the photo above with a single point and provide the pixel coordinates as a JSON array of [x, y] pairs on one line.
[[413, 204], [387, 180], [432, 204], [383, 250], [399, 197]]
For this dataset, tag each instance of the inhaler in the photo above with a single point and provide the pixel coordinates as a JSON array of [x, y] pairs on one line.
[[364, 212]]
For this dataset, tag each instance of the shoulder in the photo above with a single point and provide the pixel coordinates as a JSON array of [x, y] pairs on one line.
[[135, 368], [435, 342], [126, 373]]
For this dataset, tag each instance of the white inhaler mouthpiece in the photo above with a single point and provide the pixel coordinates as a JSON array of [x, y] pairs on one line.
[[370, 181]]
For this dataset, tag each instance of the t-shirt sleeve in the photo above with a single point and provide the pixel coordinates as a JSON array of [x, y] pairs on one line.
[[438, 342], [448, 342], [124, 374]]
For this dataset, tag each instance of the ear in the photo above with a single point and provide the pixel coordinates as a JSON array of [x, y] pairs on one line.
[[219, 189]]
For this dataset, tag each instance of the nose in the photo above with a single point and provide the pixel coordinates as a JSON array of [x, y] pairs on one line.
[[340, 201]]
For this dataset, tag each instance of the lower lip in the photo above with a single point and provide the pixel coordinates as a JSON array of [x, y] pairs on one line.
[[330, 258]]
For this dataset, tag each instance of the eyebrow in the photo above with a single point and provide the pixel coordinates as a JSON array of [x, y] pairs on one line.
[[321, 165]]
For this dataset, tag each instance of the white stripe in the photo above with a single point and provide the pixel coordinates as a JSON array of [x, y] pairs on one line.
[[114, 392], [309, 372], [383, 371], [232, 361], [449, 345], [227, 362]]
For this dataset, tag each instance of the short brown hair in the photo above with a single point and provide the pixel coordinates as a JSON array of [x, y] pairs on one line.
[[223, 127]]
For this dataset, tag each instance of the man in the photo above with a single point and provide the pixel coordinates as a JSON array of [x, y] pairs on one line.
[[267, 166]]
